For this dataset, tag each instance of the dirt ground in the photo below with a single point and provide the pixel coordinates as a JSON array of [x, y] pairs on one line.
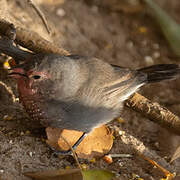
[[92, 28]]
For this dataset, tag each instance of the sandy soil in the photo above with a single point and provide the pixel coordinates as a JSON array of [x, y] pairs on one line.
[[117, 37]]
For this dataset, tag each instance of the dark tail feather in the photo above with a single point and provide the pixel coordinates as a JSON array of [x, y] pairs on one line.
[[161, 72]]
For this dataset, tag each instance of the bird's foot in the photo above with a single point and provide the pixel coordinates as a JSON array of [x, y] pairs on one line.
[[69, 152]]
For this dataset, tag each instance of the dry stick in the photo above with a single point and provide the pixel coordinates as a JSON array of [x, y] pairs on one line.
[[41, 15], [73, 152], [31, 40], [9, 90], [154, 112], [145, 152]]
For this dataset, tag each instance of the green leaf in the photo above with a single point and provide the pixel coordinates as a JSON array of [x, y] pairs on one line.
[[97, 174], [168, 25]]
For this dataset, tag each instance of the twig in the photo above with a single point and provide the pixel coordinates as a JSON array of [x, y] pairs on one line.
[[120, 155], [154, 112], [32, 40], [9, 90], [74, 154], [143, 151], [41, 15]]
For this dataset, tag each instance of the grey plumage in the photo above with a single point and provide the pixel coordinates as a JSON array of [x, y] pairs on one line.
[[81, 93]]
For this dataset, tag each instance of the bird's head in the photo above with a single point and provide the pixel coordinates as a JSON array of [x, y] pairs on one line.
[[49, 75], [35, 77]]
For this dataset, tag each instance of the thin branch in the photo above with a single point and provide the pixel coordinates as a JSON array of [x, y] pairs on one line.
[[145, 152], [32, 40], [73, 152], [9, 90], [154, 112], [40, 14]]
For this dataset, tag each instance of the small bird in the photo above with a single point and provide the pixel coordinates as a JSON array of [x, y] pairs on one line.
[[80, 93]]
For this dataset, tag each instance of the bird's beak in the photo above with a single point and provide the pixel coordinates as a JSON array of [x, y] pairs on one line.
[[17, 72]]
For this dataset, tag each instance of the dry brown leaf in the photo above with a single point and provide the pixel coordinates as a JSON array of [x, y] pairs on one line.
[[53, 135], [56, 174], [96, 144], [72, 174], [176, 154]]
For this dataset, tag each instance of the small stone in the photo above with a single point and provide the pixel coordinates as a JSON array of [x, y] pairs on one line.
[[60, 12], [156, 144], [130, 44], [108, 159], [121, 164], [22, 133], [7, 118], [30, 154], [149, 60], [135, 176], [10, 142], [121, 133], [156, 55], [156, 46], [17, 99], [1, 171]]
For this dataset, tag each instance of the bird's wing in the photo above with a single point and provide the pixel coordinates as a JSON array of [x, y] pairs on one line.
[[126, 83]]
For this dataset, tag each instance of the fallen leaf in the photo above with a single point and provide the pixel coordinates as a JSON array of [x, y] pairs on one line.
[[53, 135], [60, 174], [95, 174], [96, 144], [71, 174], [176, 154]]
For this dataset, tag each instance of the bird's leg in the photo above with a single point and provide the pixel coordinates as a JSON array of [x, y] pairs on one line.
[[68, 152]]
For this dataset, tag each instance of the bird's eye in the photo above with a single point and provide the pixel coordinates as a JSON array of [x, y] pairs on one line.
[[36, 77]]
